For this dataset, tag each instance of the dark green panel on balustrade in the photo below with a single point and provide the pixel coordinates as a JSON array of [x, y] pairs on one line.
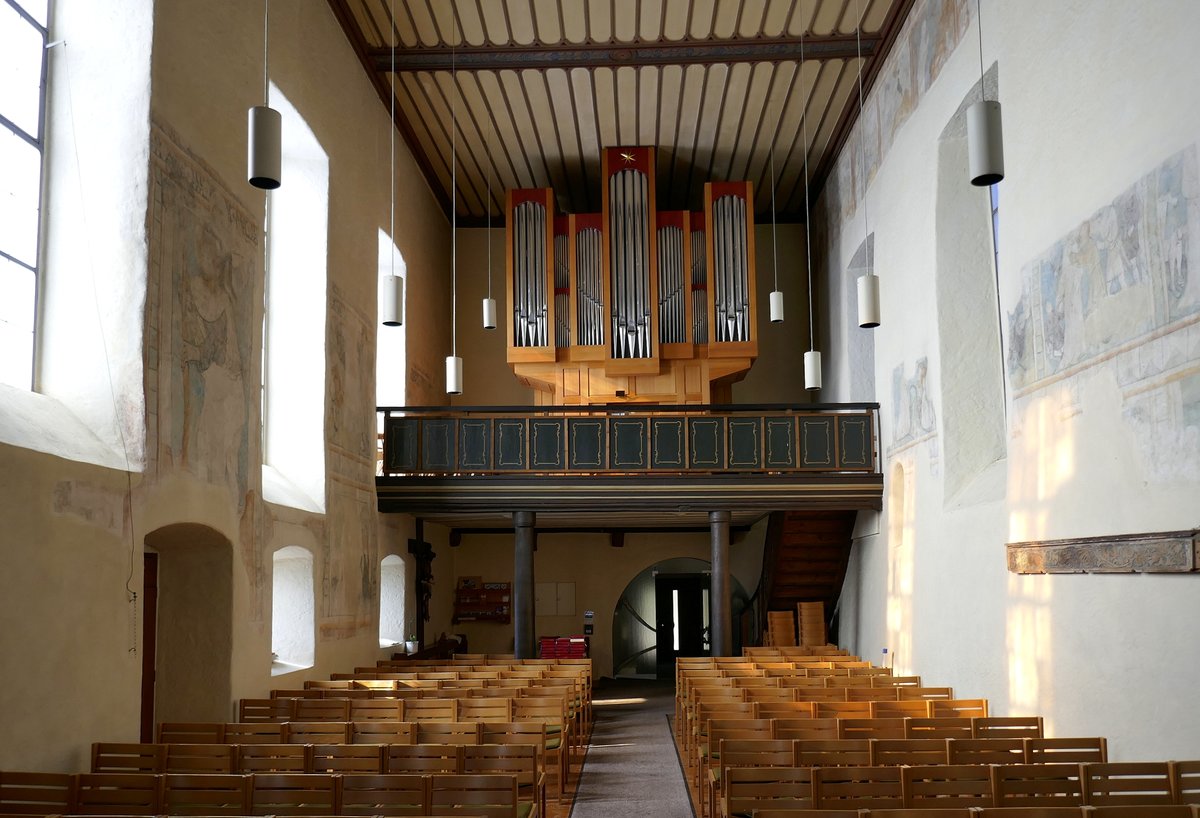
[[781, 442], [745, 443], [816, 442], [628, 447], [667, 449], [546, 450], [585, 443], [706, 443], [508, 444], [437, 444], [402, 448], [475, 444], [854, 442]]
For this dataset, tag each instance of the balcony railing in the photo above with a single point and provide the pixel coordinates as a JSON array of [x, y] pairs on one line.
[[619, 439]]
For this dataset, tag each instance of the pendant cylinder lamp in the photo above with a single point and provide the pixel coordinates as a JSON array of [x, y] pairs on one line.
[[868, 301], [776, 307], [391, 301], [264, 154], [454, 375], [985, 143], [489, 313], [812, 370], [264, 158]]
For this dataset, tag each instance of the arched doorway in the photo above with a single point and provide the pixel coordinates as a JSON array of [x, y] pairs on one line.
[[188, 631], [663, 613]]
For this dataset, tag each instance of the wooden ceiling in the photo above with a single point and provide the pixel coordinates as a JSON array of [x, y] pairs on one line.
[[529, 91]]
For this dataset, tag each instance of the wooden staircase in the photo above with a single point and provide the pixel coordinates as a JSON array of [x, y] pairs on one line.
[[805, 559]]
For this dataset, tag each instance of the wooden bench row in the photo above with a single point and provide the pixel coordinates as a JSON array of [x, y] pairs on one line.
[[492, 708], [752, 790], [992, 812], [43, 794]]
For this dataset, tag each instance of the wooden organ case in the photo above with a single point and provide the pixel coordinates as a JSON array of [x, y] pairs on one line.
[[631, 304]]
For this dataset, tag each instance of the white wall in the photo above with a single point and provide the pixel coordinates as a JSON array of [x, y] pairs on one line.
[[1099, 102]]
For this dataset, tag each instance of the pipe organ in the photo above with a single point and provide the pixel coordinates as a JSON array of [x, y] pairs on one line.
[[631, 304]]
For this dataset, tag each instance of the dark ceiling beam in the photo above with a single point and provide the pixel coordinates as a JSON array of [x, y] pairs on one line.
[[890, 31], [603, 55], [349, 24]]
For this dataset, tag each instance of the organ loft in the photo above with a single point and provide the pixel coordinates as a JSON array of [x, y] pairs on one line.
[[632, 304]]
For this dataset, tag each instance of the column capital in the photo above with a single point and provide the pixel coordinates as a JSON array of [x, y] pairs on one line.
[[524, 519], [718, 517]]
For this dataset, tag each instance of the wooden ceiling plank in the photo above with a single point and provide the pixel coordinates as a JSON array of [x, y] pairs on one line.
[[421, 108], [583, 99], [514, 94], [625, 24], [627, 105], [604, 84], [354, 34], [706, 135], [494, 25], [725, 18], [751, 16], [776, 17], [558, 88], [574, 27], [801, 20], [828, 95], [793, 131], [677, 19], [703, 19], [376, 30], [733, 102], [828, 15], [520, 18], [749, 159], [695, 85], [423, 23], [470, 24], [548, 16], [537, 97], [876, 15], [472, 150], [648, 96], [600, 28], [513, 172], [843, 97]]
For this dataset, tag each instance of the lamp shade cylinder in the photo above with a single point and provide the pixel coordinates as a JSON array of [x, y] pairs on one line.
[[812, 370], [391, 301], [489, 313], [454, 376], [985, 143], [265, 153], [776, 307], [868, 301]]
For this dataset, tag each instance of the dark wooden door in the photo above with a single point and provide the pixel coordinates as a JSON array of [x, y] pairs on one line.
[[681, 605], [149, 641]]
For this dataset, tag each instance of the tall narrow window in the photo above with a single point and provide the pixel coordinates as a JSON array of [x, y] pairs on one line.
[[391, 601], [294, 320], [22, 132], [293, 610]]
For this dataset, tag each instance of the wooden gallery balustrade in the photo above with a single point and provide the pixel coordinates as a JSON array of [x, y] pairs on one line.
[[618, 457]]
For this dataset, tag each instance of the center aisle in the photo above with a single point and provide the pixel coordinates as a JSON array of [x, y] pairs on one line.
[[632, 767]]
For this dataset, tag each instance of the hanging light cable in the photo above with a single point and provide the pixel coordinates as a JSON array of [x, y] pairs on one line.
[[391, 307], [868, 283], [985, 137], [265, 155], [812, 358], [489, 303], [776, 295], [454, 365]]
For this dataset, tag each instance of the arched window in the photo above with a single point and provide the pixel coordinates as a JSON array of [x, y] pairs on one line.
[[391, 601], [293, 610], [294, 319]]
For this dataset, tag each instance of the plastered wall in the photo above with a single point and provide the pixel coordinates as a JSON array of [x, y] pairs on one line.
[[1098, 212], [178, 260]]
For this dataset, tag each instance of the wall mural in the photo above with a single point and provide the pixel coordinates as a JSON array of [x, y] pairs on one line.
[[1117, 292], [930, 35], [204, 252], [913, 417]]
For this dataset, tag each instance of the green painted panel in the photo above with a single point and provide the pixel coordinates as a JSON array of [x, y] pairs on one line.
[[745, 443], [509, 445], [667, 449], [816, 442], [706, 443], [854, 442], [437, 444], [402, 448], [628, 448], [546, 444], [585, 443], [781, 442], [475, 443]]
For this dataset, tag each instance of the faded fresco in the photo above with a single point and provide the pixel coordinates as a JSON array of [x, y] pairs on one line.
[[1117, 292], [350, 426], [204, 251], [913, 417], [933, 30], [350, 562]]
